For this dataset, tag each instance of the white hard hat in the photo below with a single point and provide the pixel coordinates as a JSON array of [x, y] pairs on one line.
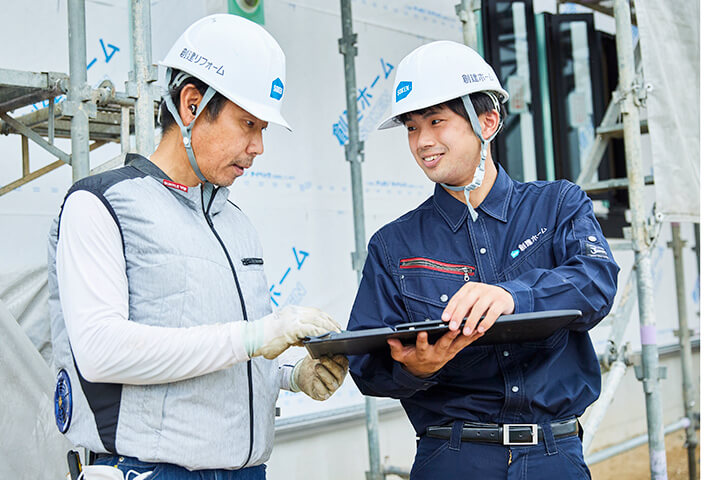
[[437, 72], [237, 58]]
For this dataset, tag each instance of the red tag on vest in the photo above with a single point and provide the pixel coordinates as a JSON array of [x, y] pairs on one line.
[[176, 186]]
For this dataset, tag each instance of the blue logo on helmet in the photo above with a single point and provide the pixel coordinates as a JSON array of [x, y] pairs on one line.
[[277, 89], [403, 90]]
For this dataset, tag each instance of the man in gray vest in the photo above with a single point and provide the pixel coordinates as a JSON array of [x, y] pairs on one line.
[[164, 339]]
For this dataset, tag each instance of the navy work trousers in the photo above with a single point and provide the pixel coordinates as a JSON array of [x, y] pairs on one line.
[[132, 467], [550, 459]]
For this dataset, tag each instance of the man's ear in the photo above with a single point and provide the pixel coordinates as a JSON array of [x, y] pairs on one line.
[[489, 122], [190, 98]]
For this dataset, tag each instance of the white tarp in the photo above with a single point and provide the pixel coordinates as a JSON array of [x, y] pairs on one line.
[[30, 445], [25, 296], [670, 43]]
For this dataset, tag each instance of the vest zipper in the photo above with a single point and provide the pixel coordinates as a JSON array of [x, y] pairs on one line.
[[465, 270], [206, 214]]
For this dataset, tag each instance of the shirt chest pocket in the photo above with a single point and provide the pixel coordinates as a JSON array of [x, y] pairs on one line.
[[426, 295], [253, 282], [252, 269]]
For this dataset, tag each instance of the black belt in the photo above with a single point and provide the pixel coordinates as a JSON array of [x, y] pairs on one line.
[[96, 456], [507, 434]]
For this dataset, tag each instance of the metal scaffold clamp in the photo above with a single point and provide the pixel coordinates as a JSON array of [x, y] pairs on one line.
[[650, 230], [358, 155], [83, 100], [104, 93], [646, 238], [59, 81], [615, 353], [650, 376], [462, 10], [150, 76], [472, 4], [346, 47], [640, 93], [690, 332]]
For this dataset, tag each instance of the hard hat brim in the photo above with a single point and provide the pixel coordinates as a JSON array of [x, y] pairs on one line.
[[393, 121], [260, 111]]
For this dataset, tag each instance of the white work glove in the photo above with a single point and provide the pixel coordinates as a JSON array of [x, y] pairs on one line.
[[319, 378], [275, 333]]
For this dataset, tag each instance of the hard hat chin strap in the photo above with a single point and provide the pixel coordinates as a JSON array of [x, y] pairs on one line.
[[484, 144], [186, 131]]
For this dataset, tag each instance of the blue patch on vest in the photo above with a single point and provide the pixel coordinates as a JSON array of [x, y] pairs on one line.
[[63, 401], [403, 90], [514, 253], [277, 89]]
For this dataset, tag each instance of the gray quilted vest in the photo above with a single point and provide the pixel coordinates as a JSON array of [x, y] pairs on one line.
[[184, 268]]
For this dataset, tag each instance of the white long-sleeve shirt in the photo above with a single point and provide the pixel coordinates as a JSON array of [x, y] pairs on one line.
[[107, 346]]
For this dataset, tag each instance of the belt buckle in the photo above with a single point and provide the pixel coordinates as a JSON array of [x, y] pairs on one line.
[[533, 437]]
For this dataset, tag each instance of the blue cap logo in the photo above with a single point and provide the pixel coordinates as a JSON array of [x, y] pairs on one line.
[[277, 89], [403, 90]]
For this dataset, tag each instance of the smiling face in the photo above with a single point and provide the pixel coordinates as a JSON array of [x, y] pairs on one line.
[[226, 146], [444, 145]]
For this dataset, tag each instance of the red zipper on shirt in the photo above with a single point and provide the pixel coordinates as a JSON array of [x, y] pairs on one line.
[[419, 262]]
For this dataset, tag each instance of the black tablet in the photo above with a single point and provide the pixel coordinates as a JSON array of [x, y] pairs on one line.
[[515, 328]]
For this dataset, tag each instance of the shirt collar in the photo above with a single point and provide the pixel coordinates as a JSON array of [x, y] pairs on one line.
[[191, 195], [145, 166], [495, 203]]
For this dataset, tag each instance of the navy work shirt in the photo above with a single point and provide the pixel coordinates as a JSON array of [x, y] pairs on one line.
[[540, 241]]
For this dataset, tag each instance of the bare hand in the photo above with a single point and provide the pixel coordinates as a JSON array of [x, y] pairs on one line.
[[424, 359], [475, 300]]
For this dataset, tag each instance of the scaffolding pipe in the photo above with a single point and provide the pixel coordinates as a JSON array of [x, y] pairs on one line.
[[650, 371], [80, 127], [465, 12], [630, 444], [684, 334], [607, 395], [125, 129], [354, 155], [144, 75], [620, 320], [615, 359], [51, 121], [28, 132], [25, 147], [696, 248]]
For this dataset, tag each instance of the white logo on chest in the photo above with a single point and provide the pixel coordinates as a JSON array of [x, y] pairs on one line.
[[527, 243]]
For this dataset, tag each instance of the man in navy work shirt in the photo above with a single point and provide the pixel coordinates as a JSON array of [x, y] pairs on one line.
[[483, 245]]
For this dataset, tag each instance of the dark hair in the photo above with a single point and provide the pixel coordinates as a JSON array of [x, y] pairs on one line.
[[480, 100], [216, 103]]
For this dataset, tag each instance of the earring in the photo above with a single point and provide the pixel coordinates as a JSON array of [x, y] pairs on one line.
[[193, 109]]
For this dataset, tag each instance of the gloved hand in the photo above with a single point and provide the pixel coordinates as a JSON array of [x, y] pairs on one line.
[[275, 333], [319, 378]]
